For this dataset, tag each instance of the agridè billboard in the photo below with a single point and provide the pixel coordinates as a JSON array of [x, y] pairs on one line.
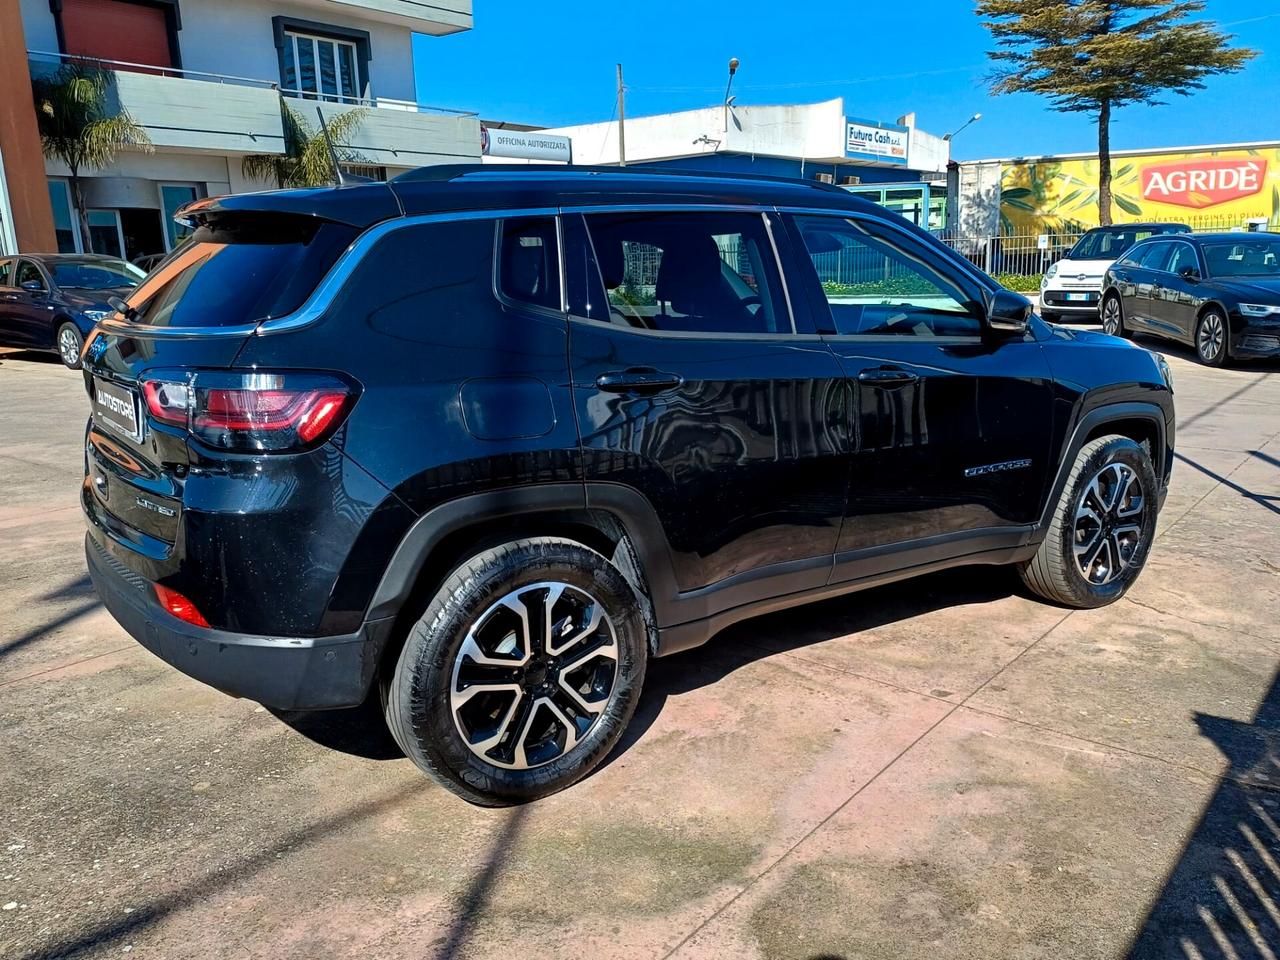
[[1201, 188]]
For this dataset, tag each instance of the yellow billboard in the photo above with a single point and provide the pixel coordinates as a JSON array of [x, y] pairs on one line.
[[1205, 189]]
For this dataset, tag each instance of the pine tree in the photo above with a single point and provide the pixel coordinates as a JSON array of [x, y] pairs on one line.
[[1093, 56]]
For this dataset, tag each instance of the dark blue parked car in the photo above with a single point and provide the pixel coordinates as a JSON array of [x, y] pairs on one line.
[[51, 301], [483, 440]]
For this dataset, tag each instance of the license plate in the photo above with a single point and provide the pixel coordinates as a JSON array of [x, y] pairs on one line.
[[117, 407], [1086, 297]]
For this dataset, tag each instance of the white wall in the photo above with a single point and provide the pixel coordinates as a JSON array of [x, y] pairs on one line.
[[234, 37], [212, 171]]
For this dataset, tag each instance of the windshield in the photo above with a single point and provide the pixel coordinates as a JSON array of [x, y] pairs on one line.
[[1258, 257], [1109, 244], [94, 274]]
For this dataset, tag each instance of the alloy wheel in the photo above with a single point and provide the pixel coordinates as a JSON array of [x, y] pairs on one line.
[[534, 675], [68, 346], [1211, 337], [1108, 523], [1111, 316]]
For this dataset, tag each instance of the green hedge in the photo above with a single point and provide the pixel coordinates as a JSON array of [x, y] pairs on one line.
[[910, 286], [1022, 282]]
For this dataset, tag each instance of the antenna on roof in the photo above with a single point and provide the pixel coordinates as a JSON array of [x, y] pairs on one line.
[[340, 176]]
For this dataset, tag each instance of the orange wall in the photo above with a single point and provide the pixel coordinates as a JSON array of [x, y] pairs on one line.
[[20, 140]]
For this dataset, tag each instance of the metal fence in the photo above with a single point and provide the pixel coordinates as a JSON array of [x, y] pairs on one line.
[[1023, 254]]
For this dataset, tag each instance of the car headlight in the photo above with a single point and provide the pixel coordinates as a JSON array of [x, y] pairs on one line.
[[1259, 309], [96, 315], [1050, 273], [1165, 371]]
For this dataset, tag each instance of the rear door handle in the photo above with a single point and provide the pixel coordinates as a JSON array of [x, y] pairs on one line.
[[638, 381], [887, 377]]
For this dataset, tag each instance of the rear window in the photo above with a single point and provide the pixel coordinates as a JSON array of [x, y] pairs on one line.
[[240, 271]]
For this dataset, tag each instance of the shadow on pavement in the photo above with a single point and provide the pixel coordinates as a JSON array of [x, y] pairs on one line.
[[1269, 501], [1222, 899], [360, 731]]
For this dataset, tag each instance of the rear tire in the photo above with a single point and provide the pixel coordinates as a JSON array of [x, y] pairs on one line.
[[1212, 335], [521, 674], [69, 343], [1101, 529]]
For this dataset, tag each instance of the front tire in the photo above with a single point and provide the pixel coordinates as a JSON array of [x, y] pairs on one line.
[[521, 674], [69, 343], [1211, 338], [1113, 317], [1101, 529]]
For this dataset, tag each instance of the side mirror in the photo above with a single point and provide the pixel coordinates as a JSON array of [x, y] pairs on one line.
[[1189, 273], [33, 286], [1008, 312]]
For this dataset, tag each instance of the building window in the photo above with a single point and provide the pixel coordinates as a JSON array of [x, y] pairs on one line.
[[319, 62], [141, 32], [173, 196], [105, 233], [64, 225]]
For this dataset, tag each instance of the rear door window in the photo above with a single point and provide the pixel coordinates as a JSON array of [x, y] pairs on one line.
[[240, 271], [689, 272]]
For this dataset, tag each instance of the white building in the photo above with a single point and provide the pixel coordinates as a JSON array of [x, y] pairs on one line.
[[205, 78], [893, 163]]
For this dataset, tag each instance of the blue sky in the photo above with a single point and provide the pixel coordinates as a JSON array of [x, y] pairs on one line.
[[552, 62]]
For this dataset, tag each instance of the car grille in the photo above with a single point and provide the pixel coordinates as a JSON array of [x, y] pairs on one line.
[[1057, 300], [1259, 342]]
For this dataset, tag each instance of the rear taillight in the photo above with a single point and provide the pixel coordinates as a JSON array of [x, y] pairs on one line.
[[180, 606], [251, 412]]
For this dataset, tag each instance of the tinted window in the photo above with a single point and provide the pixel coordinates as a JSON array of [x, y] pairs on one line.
[[6, 269], [95, 274], [529, 270], [1153, 256], [880, 284], [1183, 256], [28, 272], [1109, 243], [705, 272], [1258, 257], [240, 271], [584, 288]]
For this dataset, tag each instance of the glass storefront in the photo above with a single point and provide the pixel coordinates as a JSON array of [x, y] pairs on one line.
[[63, 222]]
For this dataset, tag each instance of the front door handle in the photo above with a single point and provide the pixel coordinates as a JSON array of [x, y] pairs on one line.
[[638, 381], [887, 377]]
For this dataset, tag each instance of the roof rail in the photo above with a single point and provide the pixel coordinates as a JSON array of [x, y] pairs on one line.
[[448, 172]]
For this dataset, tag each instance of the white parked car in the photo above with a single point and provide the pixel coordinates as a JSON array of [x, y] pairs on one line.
[[1072, 287]]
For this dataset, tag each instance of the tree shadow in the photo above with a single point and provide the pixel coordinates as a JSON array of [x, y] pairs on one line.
[[761, 637], [1221, 901]]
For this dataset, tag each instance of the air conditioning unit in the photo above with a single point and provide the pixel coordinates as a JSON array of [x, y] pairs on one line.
[[825, 177], [850, 181]]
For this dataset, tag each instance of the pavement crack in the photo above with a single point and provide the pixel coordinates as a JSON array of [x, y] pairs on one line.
[[1200, 623]]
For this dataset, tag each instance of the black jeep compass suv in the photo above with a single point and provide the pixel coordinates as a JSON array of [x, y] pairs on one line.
[[487, 439]]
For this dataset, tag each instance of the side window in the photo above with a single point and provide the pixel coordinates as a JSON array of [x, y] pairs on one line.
[[6, 270], [878, 284], [583, 285], [694, 272], [1155, 255], [1184, 255], [528, 264], [28, 271]]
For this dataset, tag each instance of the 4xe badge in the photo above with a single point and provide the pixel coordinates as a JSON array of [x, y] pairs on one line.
[[1203, 183]]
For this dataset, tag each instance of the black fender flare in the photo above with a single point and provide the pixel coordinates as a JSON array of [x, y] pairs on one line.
[[628, 506], [1088, 422]]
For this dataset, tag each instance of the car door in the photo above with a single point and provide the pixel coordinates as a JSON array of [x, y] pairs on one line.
[[692, 386], [950, 429], [1142, 312], [10, 328], [29, 309], [1181, 296]]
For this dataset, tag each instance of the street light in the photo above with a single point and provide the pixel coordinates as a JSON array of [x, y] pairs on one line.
[[976, 117], [734, 63]]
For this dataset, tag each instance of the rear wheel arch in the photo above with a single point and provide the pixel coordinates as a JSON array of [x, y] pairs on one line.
[[455, 531]]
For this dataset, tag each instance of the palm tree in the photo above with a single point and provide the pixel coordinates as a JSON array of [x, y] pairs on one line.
[[305, 161], [80, 126]]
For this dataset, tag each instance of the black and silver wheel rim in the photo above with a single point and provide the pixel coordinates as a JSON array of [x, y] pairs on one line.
[[1211, 337], [1111, 316], [1108, 523], [534, 675], [69, 346]]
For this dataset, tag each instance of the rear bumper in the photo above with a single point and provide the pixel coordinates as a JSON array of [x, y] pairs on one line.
[[289, 673]]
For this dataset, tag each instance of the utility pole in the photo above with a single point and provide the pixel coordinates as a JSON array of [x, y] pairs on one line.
[[622, 120]]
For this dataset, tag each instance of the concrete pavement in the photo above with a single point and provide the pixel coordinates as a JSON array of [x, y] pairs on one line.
[[941, 768]]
